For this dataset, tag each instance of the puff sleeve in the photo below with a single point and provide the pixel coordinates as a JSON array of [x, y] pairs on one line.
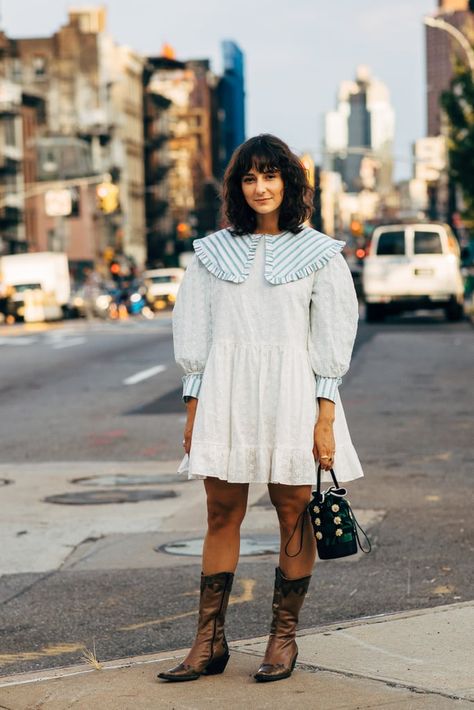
[[334, 315], [192, 326]]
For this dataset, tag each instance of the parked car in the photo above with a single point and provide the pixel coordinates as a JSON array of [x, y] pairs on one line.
[[162, 286], [412, 266]]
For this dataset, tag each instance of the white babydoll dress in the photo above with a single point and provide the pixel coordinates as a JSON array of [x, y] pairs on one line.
[[263, 325]]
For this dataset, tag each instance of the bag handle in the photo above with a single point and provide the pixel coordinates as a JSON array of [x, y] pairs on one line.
[[351, 513], [318, 482]]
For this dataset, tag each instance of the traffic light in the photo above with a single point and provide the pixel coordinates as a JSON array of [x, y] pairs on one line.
[[107, 197], [115, 270], [183, 230]]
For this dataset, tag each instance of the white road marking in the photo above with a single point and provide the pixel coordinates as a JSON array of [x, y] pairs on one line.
[[72, 342], [18, 340], [144, 375]]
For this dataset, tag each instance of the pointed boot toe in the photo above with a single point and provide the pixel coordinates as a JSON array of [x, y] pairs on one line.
[[269, 672], [182, 672]]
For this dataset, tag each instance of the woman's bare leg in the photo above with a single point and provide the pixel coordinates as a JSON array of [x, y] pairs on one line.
[[289, 502], [226, 507]]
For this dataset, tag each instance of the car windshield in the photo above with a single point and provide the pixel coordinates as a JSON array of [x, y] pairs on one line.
[[427, 243], [27, 287], [391, 243], [162, 279]]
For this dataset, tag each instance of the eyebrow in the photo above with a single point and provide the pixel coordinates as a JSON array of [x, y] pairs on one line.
[[270, 170]]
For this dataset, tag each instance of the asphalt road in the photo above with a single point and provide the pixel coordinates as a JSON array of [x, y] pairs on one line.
[[64, 393], [64, 398]]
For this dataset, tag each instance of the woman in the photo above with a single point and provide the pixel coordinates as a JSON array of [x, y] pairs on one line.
[[264, 326]]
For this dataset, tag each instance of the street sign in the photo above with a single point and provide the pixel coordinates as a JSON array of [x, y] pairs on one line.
[[58, 203]]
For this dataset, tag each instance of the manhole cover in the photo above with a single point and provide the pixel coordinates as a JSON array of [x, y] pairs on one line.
[[105, 497], [249, 546], [5, 481], [125, 479]]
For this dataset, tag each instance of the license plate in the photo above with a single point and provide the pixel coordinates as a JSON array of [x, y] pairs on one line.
[[424, 272]]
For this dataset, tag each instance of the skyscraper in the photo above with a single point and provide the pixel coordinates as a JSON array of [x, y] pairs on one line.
[[441, 50], [232, 100], [359, 134]]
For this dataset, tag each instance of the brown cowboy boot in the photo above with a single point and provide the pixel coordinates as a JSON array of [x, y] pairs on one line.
[[209, 653], [282, 651]]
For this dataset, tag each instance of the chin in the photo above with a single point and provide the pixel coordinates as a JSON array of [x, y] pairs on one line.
[[264, 209]]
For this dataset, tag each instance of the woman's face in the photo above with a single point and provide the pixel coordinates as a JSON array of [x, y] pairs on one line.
[[263, 192]]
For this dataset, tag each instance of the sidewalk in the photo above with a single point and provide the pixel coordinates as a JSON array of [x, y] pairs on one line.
[[405, 661]]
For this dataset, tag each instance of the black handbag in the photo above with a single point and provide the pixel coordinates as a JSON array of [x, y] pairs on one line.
[[334, 524]]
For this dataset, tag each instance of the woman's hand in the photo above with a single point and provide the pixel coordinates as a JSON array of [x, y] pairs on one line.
[[191, 406], [324, 444]]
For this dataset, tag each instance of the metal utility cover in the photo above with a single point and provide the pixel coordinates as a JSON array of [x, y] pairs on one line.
[[119, 495], [249, 546], [126, 479]]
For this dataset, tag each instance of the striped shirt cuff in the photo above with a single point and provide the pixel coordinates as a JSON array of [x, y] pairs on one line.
[[192, 385], [326, 387]]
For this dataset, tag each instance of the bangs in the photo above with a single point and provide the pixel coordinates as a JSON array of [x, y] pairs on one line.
[[260, 156]]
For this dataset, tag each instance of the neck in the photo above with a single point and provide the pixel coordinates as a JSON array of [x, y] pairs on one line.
[[268, 223]]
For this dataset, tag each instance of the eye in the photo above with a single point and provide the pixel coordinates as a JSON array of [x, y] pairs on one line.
[[270, 176], [248, 178]]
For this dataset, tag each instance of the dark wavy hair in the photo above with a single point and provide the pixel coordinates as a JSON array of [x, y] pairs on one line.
[[266, 153]]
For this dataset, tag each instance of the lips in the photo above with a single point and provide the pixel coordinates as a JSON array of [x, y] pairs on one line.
[[264, 199]]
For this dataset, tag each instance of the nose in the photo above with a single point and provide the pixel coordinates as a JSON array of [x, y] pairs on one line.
[[261, 187]]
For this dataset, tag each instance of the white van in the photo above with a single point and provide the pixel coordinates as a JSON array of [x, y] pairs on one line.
[[162, 286], [411, 266]]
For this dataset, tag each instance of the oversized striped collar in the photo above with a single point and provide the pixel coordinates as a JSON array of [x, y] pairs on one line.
[[288, 256]]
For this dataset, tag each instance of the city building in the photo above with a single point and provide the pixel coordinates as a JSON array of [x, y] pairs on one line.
[[441, 52], [22, 121], [89, 114], [180, 155], [431, 153], [33, 117], [92, 90], [359, 133], [12, 201], [231, 102], [161, 230]]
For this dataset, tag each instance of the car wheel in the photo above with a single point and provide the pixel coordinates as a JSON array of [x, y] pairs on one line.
[[454, 311], [374, 313]]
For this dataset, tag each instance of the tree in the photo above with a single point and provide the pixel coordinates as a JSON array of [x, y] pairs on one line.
[[458, 104]]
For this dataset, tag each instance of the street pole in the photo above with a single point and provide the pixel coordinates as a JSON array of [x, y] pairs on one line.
[[440, 24]]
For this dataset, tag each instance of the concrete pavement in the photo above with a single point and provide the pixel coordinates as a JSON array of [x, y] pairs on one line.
[[405, 661]]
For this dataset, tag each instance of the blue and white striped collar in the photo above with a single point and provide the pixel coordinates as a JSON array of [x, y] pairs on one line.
[[288, 256]]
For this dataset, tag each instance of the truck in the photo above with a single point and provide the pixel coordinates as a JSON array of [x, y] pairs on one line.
[[38, 283]]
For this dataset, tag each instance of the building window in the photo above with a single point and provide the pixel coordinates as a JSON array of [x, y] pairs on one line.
[[9, 131], [17, 71], [39, 67]]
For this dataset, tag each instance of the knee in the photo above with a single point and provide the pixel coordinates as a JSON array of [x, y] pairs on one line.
[[288, 514], [222, 515]]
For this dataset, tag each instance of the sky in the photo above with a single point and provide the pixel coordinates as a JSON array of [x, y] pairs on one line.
[[296, 52]]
